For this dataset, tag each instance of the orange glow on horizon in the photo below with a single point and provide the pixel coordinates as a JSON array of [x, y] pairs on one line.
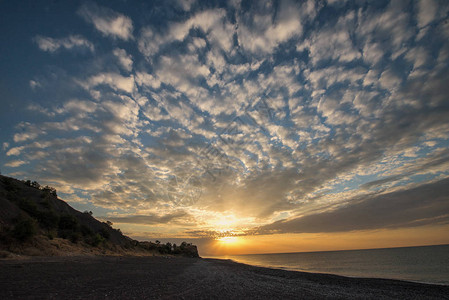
[[305, 242]]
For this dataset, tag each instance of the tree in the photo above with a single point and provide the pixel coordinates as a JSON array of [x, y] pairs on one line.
[[168, 246], [50, 190], [35, 184]]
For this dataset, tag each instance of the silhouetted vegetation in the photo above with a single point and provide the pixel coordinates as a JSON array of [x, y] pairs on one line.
[[24, 229], [185, 249], [46, 189], [29, 206], [48, 219], [37, 214], [104, 233]]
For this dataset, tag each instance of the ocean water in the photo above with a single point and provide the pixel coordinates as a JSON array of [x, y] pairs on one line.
[[428, 264]]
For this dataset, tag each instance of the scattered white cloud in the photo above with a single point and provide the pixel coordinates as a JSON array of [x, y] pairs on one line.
[[70, 42], [125, 60], [265, 32], [389, 80], [334, 42], [427, 11], [418, 56], [34, 84], [20, 137], [115, 81], [15, 151], [213, 23], [145, 79], [107, 21], [186, 4], [15, 163]]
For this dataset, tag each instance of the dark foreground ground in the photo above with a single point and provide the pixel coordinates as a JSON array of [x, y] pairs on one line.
[[187, 278]]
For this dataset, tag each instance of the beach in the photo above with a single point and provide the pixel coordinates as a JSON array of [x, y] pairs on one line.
[[168, 277]]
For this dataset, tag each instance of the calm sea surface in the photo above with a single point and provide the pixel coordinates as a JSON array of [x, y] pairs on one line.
[[428, 264]]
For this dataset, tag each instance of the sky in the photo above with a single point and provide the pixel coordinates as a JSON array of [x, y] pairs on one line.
[[241, 126]]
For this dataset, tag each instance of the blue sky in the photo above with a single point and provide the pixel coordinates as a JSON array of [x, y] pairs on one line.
[[208, 118]]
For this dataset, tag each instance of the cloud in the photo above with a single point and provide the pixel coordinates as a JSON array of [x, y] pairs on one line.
[[425, 204], [388, 28], [145, 79], [14, 151], [334, 42], [418, 56], [149, 219], [107, 21], [389, 80], [34, 84], [115, 81], [80, 107], [259, 34], [380, 182], [212, 22], [124, 59], [427, 11], [28, 132], [15, 163], [186, 4], [70, 42]]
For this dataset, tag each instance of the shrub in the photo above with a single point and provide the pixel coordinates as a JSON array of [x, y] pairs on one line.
[[74, 237], [24, 229], [86, 231], [95, 240], [104, 233], [67, 226], [35, 185], [62, 233], [50, 235], [49, 190], [29, 206], [68, 222], [48, 219]]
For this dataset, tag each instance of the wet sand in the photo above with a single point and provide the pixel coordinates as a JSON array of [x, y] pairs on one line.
[[188, 278]]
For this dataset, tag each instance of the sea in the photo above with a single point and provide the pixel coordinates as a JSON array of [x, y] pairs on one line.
[[425, 264]]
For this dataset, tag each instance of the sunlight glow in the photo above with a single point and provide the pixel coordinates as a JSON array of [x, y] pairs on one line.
[[229, 239], [225, 222]]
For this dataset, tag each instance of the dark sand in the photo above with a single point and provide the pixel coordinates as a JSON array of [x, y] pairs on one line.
[[187, 278]]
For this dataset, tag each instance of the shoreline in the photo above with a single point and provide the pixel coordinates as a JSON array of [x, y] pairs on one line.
[[329, 274], [326, 273], [116, 277]]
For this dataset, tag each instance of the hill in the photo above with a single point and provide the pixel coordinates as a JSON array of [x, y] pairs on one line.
[[34, 221]]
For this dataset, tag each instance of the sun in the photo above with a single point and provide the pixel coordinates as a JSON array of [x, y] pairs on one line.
[[229, 239], [229, 244]]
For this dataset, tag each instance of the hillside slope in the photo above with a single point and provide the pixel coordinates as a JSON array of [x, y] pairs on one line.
[[34, 221]]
